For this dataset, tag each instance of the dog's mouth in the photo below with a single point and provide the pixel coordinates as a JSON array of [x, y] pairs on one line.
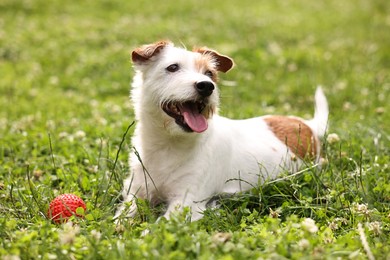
[[190, 115]]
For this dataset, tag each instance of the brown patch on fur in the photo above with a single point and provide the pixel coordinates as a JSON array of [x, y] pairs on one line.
[[223, 63], [145, 52], [204, 64], [295, 134]]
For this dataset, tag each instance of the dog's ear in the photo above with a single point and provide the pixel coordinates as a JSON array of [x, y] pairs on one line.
[[144, 53], [224, 63]]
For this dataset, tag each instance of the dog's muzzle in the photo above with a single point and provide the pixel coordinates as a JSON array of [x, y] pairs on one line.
[[192, 115]]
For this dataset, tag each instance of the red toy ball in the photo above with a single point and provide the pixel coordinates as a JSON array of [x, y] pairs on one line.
[[64, 206]]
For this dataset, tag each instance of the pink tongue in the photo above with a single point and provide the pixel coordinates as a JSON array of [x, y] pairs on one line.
[[196, 121]]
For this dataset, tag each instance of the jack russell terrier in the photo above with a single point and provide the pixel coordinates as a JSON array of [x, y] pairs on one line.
[[185, 153]]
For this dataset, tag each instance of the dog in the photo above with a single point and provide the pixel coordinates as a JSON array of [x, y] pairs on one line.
[[185, 153]]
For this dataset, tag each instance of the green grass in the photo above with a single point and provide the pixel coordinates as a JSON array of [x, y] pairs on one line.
[[64, 84]]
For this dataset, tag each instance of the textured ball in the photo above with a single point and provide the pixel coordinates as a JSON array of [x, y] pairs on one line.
[[64, 206]]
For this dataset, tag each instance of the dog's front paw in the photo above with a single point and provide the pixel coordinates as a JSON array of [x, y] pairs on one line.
[[191, 211], [125, 210]]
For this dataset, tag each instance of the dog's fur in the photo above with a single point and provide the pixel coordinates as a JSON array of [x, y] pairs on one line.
[[185, 153]]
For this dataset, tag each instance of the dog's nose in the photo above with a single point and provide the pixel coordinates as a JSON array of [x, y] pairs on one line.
[[204, 88]]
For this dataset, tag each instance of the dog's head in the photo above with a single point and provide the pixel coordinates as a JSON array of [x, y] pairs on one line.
[[178, 85]]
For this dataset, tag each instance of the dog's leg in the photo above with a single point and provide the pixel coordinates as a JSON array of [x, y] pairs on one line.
[[197, 211], [177, 205], [133, 188]]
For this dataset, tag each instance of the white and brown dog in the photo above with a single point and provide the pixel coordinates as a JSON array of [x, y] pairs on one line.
[[185, 153]]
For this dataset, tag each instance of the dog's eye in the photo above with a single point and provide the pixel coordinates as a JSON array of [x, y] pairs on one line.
[[209, 73], [173, 67]]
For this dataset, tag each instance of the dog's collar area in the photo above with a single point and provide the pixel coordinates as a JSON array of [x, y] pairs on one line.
[[188, 115]]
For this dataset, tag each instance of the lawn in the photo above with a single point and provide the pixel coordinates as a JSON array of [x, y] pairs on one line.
[[66, 122]]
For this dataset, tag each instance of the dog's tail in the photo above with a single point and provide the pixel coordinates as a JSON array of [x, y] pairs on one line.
[[319, 123]]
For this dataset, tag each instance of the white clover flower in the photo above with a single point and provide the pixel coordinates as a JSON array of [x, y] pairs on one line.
[[120, 228], [74, 122], [333, 225], [303, 244], [51, 256], [69, 233], [274, 48], [63, 135], [54, 80], [343, 221], [93, 168], [101, 120], [96, 234], [341, 85], [309, 225], [94, 103], [333, 138], [380, 110], [80, 134], [221, 237], [116, 109], [375, 227], [337, 222], [362, 209], [50, 124]]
